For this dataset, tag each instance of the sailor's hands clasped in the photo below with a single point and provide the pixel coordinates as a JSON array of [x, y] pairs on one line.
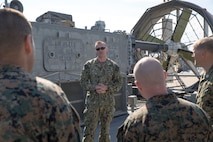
[[101, 88]]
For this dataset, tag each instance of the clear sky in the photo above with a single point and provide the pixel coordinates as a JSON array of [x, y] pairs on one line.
[[117, 14]]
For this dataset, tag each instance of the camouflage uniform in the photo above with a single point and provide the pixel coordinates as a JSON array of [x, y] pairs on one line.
[[205, 93], [33, 109], [99, 105], [166, 118]]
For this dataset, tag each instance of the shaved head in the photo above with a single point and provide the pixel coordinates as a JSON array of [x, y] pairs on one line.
[[149, 70], [149, 74]]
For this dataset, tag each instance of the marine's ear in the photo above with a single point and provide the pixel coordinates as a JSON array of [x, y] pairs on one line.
[[138, 85], [165, 74], [29, 53], [28, 44]]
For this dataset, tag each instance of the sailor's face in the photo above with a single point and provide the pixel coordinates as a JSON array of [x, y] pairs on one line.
[[101, 50]]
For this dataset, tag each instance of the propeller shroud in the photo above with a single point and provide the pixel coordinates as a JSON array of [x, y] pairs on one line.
[[167, 31]]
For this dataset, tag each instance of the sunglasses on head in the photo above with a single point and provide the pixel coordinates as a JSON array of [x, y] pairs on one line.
[[100, 48]]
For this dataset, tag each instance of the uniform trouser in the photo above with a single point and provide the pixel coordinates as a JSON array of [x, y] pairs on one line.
[[92, 114]]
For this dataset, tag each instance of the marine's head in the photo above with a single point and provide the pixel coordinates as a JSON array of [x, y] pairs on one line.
[[150, 77]]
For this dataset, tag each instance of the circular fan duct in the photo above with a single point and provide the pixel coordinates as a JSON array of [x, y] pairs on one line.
[[167, 32], [174, 25]]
